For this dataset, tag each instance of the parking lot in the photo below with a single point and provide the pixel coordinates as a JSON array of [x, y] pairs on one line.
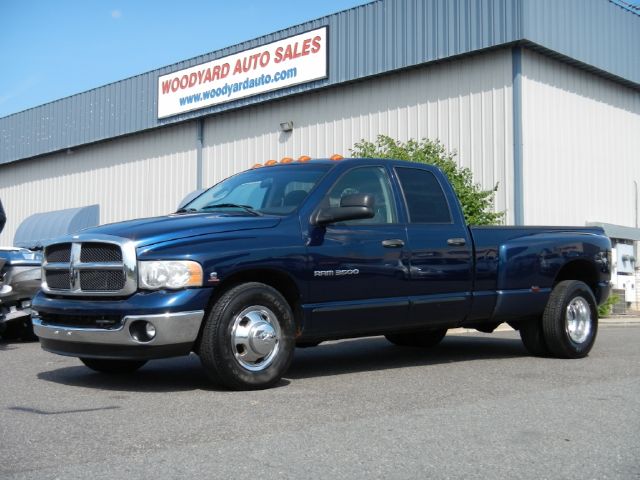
[[475, 407]]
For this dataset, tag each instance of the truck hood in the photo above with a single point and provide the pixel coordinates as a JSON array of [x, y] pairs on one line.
[[147, 231]]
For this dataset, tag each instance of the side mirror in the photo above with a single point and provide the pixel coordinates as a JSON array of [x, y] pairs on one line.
[[352, 207]]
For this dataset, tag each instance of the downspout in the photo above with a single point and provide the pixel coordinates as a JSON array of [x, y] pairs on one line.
[[518, 182], [199, 143]]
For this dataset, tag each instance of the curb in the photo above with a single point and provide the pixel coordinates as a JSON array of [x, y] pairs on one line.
[[618, 320]]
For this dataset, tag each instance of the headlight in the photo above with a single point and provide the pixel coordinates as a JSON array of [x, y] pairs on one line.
[[171, 274]]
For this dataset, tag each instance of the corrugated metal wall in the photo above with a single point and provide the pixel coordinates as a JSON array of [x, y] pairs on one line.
[[142, 175], [371, 39], [466, 104], [581, 145], [595, 32]]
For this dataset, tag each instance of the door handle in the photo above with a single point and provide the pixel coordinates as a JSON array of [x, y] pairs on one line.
[[393, 243], [456, 242]]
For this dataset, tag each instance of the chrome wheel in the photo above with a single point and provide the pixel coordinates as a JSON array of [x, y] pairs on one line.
[[255, 338], [579, 321]]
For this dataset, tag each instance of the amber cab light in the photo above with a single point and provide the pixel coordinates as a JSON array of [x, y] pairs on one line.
[[304, 158], [336, 157], [286, 160], [269, 163]]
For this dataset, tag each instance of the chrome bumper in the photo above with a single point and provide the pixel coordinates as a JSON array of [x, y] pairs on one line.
[[171, 329]]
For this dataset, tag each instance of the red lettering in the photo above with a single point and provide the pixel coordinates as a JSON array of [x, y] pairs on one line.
[[193, 78], [166, 85], [238, 67], [316, 44], [225, 70], [278, 57], [305, 46], [184, 81], [207, 76], [264, 59], [175, 84]]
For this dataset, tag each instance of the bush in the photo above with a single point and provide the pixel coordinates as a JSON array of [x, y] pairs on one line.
[[477, 204], [605, 309]]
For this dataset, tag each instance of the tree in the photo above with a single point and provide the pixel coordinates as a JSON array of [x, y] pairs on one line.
[[477, 204]]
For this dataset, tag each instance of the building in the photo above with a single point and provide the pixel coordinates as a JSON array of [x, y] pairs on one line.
[[541, 97]]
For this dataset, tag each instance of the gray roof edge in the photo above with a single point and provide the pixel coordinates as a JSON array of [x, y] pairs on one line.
[[618, 231]]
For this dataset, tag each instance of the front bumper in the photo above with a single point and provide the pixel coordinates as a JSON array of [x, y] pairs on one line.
[[175, 335], [73, 326]]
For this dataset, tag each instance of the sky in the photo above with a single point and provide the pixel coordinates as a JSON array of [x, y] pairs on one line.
[[50, 49]]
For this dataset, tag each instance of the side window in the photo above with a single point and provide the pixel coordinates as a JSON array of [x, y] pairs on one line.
[[371, 180], [424, 196]]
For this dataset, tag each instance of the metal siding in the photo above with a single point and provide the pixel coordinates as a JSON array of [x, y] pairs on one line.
[[595, 32], [371, 39], [466, 104], [580, 145], [138, 176]]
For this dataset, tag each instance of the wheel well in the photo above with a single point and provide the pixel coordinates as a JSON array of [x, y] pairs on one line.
[[582, 270], [274, 278]]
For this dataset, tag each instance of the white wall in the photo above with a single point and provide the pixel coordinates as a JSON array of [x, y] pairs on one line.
[[581, 145], [465, 103], [142, 175]]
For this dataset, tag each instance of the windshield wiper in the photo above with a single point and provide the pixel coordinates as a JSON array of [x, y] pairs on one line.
[[246, 208], [186, 210]]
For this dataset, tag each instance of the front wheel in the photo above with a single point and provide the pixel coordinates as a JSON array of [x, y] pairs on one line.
[[247, 342], [570, 320], [116, 367]]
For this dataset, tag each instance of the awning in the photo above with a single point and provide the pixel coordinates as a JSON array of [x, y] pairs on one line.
[[41, 227]]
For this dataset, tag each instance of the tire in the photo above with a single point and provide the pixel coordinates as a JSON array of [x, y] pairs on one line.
[[247, 342], [570, 320], [114, 367], [533, 338], [428, 338]]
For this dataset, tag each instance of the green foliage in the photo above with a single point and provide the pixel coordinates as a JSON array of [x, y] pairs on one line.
[[477, 204], [605, 309]]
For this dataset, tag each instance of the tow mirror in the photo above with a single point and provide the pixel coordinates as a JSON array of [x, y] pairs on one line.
[[352, 207]]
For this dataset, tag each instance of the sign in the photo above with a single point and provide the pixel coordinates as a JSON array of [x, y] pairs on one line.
[[294, 60]]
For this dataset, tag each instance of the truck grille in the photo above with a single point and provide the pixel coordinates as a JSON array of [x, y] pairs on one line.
[[90, 268]]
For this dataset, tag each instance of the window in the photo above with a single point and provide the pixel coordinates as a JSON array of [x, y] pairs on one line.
[[425, 199], [277, 190], [370, 180]]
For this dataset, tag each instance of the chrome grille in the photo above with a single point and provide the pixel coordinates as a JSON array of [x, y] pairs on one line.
[[98, 265], [101, 280], [58, 280], [100, 253], [59, 253]]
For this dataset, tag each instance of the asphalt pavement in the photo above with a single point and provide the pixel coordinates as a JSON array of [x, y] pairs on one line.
[[477, 406]]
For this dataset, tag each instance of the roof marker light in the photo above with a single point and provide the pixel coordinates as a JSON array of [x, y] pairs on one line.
[[286, 160], [257, 165], [270, 163], [304, 158], [336, 157]]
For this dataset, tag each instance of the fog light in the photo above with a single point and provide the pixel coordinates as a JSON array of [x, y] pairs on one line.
[[142, 331], [151, 330]]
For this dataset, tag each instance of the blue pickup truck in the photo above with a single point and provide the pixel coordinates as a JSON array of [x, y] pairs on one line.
[[298, 252]]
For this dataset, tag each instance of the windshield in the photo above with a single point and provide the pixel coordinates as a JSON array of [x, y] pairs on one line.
[[277, 190]]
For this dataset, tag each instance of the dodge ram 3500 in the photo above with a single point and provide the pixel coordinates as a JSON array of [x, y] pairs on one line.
[[297, 253]]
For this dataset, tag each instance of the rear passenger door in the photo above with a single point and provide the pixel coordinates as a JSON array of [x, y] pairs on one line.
[[440, 267]]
